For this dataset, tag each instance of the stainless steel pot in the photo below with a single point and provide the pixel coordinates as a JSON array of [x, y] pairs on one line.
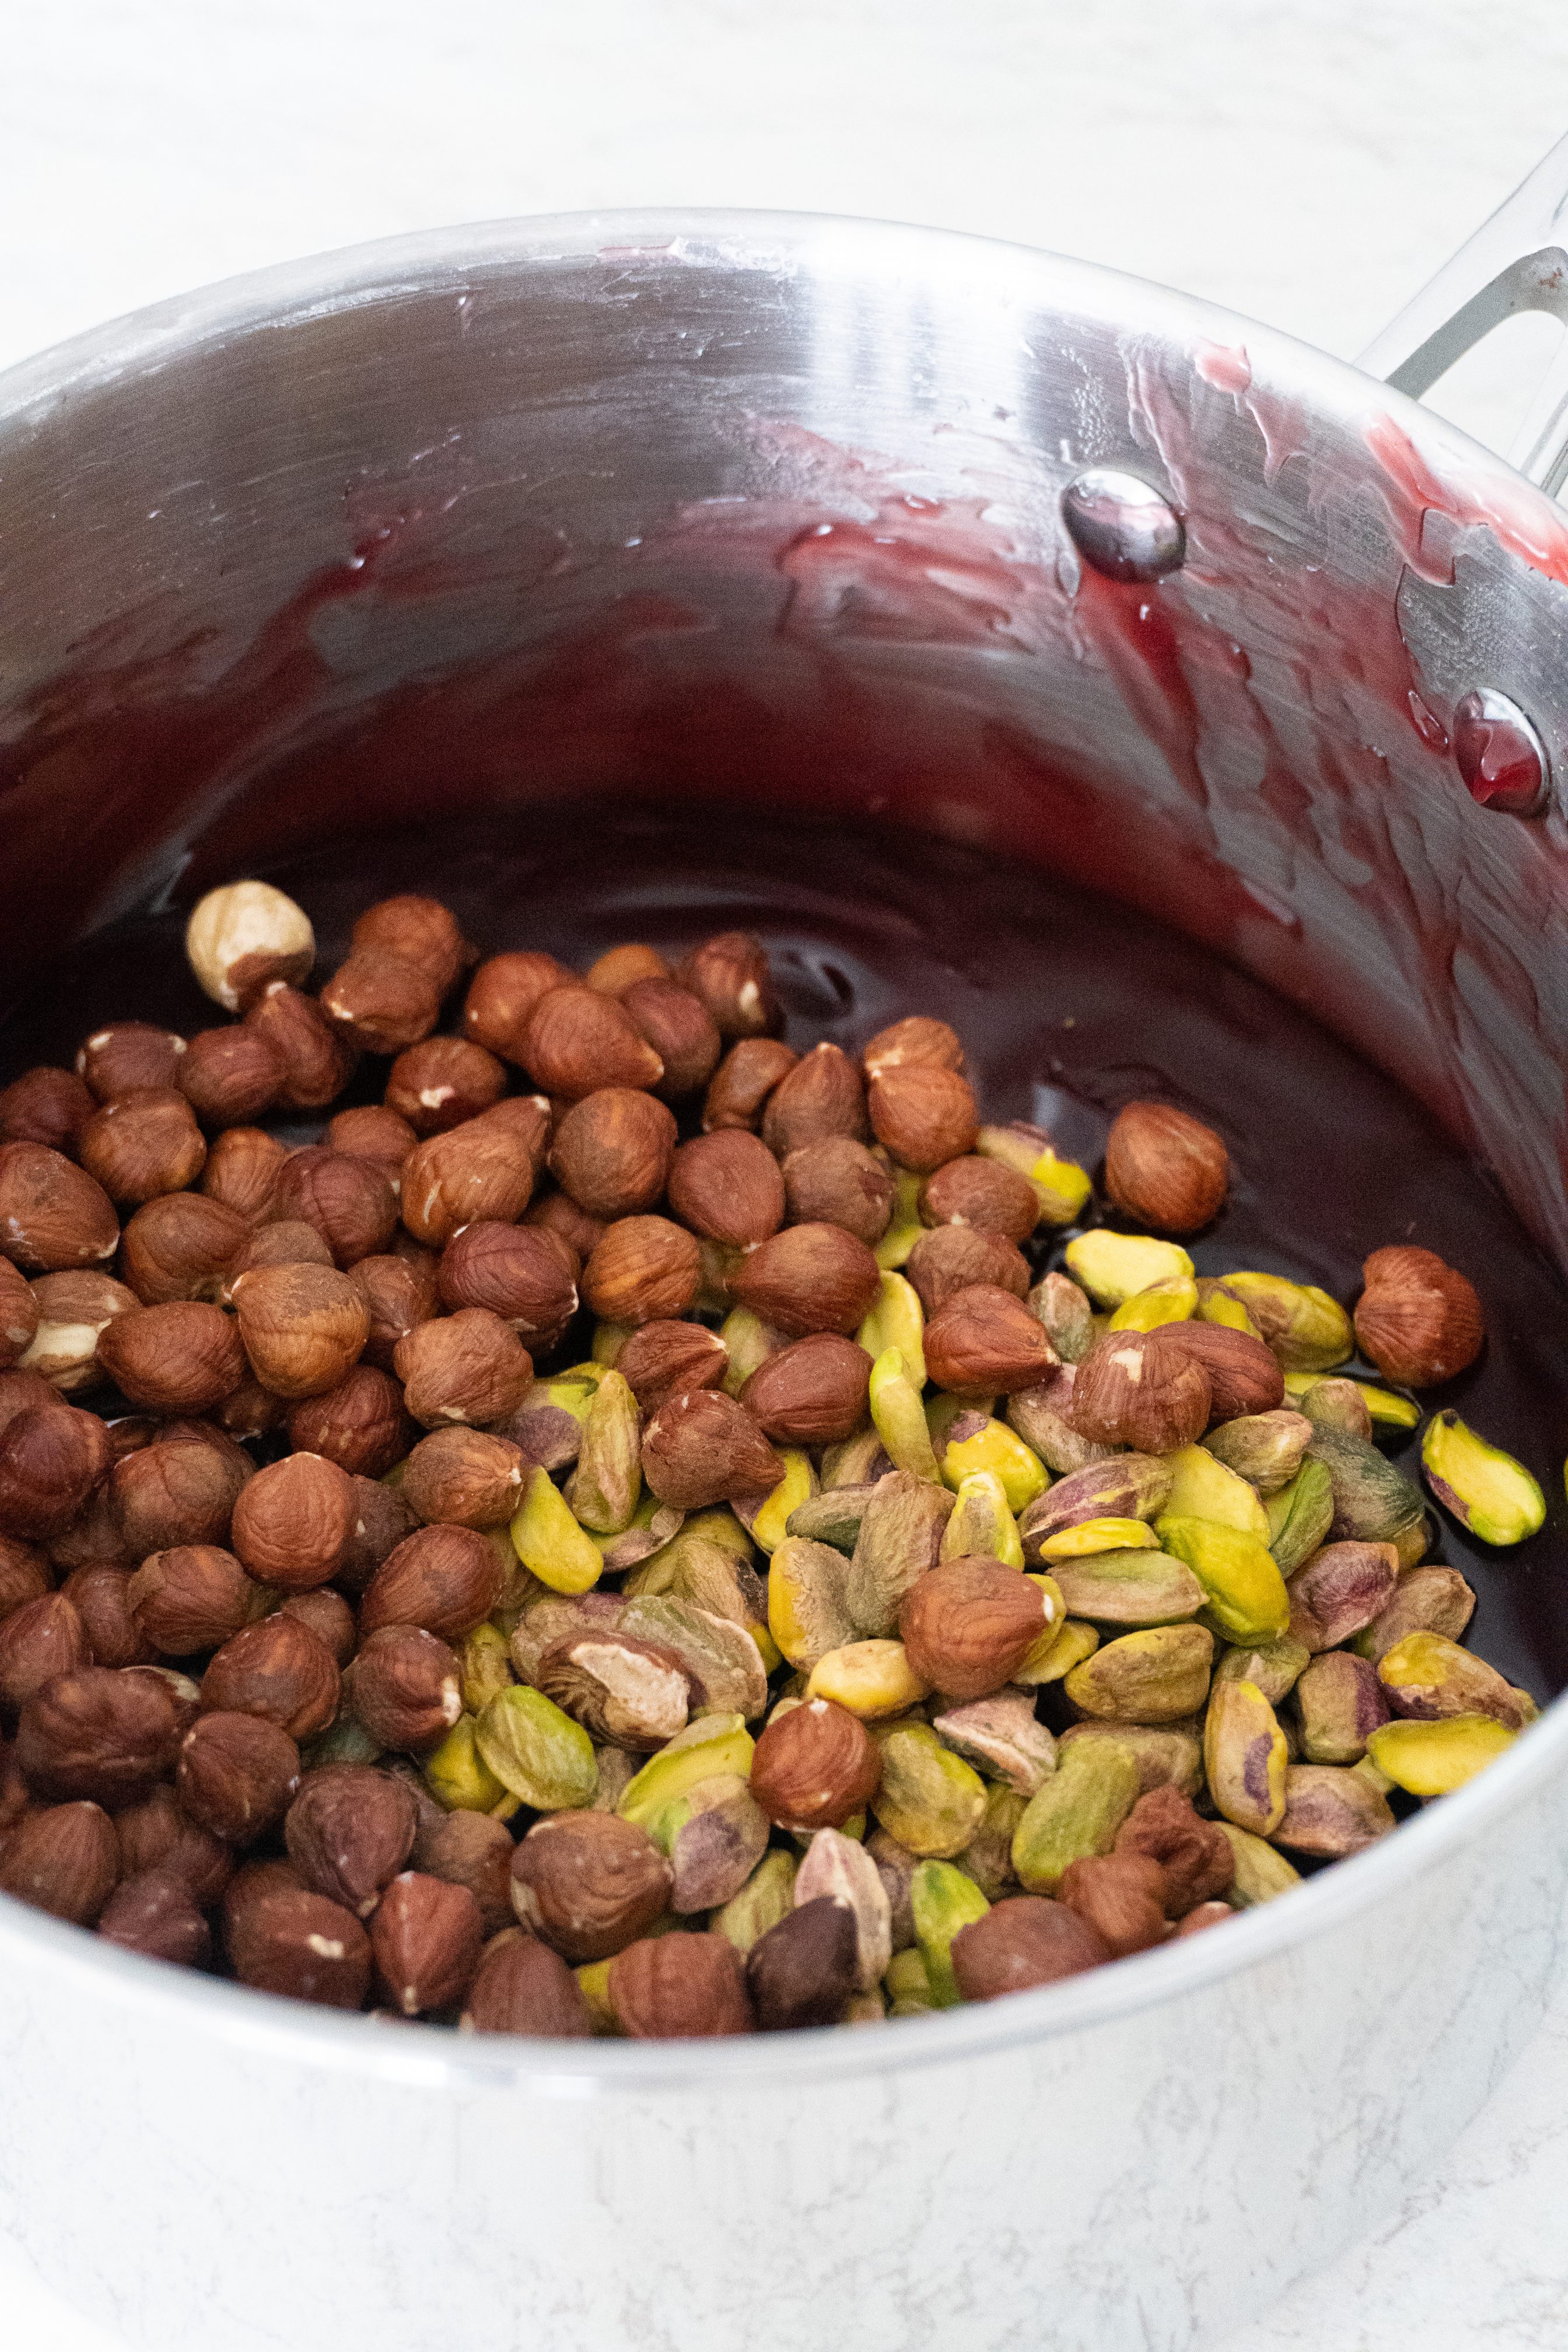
[[466, 521]]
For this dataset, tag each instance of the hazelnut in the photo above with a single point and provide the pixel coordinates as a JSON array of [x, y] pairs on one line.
[[74, 1310], [23, 1392], [729, 973], [633, 1693], [679, 1989], [915, 1040], [143, 1143], [349, 1833], [662, 1360], [370, 1132], [577, 1040], [288, 1243], [176, 1358], [823, 1095], [1244, 1376], [51, 1458], [588, 1883], [399, 1292], [1024, 1941], [360, 1425], [984, 1342], [157, 1834], [619, 967], [612, 1151], [23, 1573], [469, 1367], [243, 1167], [317, 1062], [972, 1190], [922, 1114], [382, 1520], [952, 1258], [479, 1169], [382, 1002], [405, 1688], [287, 1940], [809, 1278], [100, 1593], [812, 1392], [1196, 1857], [294, 1522], [179, 1491], [842, 1869], [19, 1314], [128, 1055], [101, 1732], [44, 1638], [279, 1671], [645, 1270], [473, 1850], [301, 1327], [1121, 1897], [181, 1245], [815, 1766], [522, 1986], [1135, 1389], [231, 1076], [703, 1448], [446, 1579], [727, 1187], [558, 1214], [245, 934], [53, 1214], [426, 1939], [1165, 1169], [967, 1625], [46, 1105], [839, 1183], [442, 1081], [330, 1617], [237, 1776], [349, 1201], [743, 1081], [804, 1969], [501, 996], [1419, 1319], [92, 1537], [192, 1598], [464, 1478], [153, 1914], [421, 930], [64, 1861], [681, 1030], [526, 1276]]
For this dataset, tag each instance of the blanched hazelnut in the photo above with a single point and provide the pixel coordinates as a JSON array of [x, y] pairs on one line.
[[469, 1367], [244, 936], [143, 1143]]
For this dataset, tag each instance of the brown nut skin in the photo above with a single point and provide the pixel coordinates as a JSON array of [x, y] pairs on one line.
[[467, 1367], [100, 1596], [287, 1940], [922, 1114], [729, 973], [63, 1860], [349, 1201], [1419, 1319], [613, 972], [743, 1081], [1132, 1388], [74, 1309], [502, 993], [127, 1054], [181, 1490], [381, 1003], [478, 1171], [588, 1883], [577, 1040], [51, 1458], [181, 1247], [664, 1360], [522, 1986], [23, 1573], [968, 1624], [823, 1095], [52, 1213], [277, 1670], [153, 1914], [243, 1164], [46, 1105], [611, 1151], [157, 1834], [330, 1617], [372, 1131], [191, 1597], [473, 1850], [405, 1688], [703, 1447], [985, 1343], [143, 1143], [19, 1314], [418, 930], [728, 1187], [427, 1939], [629, 1691], [1165, 1169], [43, 1638], [360, 1425], [839, 1181], [178, 1358], [803, 1969], [952, 1258], [398, 1293], [916, 1038], [1121, 1897], [99, 1732], [288, 1243], [301, 1327], [809, 1278], [293, 1523], [815, 1766], [442, 1081], [645, 1270], [22, 1392], [382, 1520], [812, 1392], [349, 1833], [973, 1191], [680, 1988], [446, 1579], [237, 1776], [1244, 1376], [317, 1062], [1195, 1856], [464, 1476], [681, 1030], [1024, 1941], [526, 1276], [231, 1075]]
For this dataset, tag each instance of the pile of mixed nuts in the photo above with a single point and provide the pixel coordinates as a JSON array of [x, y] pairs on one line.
[[364, 1645]]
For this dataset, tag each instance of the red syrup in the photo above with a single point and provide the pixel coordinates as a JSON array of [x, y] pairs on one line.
[[1068, 1004]]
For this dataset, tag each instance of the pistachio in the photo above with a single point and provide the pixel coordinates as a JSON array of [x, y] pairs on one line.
[[981, 1523], [1340, 1590], [1245, 1592], [1430, 1678], [1062, 1186], [1001, 1735], [908, 1987], [840, 1868], [535, 1751], [1388, 1409], [603, 1491], [765, 1518], [1064, 1311], [1373, 1501], [904, 1229], [1340, 1703], [1092, 1536], [1264, 1448], [1308, 1330], [1202, 1487], [1056, 1653], [1244, 1757], [1113, 1267], [634, 1691], [1426, 1601], [714, 1834], [1135, 1587], [715, 1744], [1261, 1874], [900, 1537], [1219, 1305], [929, 1799], [988, 1856], [896, 1320], [720, 1658], [1125, 1486], [1173, 1300], [1155, 1677], [549, 1541], [1486, 1489], [944, 1900], [872, 1679], [1274, 1667], [808, 1608], [1042, 1417], [1330, 1811], [832, 1516], [980, 1442], [1169, 1755], [1300, 1515], [1431, 1759], [899, 1416], [1335, 1404], [767, 1896], [1077, 1811], [458, 1778]]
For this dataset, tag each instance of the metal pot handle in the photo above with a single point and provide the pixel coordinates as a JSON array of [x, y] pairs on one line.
[[1518, 260]]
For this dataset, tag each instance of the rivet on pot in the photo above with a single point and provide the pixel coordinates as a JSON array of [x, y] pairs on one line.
[[1123, 525], [1500, 757]]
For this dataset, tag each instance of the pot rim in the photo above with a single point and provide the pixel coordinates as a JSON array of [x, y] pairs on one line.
[[271, 2027]]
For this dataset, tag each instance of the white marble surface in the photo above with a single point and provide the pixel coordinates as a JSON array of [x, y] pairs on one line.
[[1309, 163]]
